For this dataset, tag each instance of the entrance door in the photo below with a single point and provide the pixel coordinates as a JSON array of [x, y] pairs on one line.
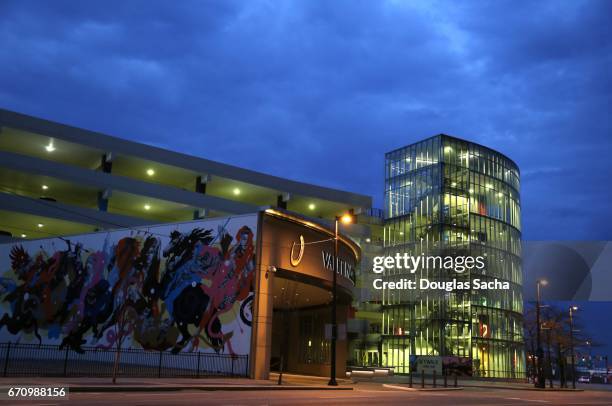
[[300, 314], [373, 358], [280, 340]]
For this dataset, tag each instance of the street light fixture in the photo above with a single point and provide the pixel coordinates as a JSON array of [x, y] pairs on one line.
[[345, 219], [572, 309], [539, 352], [589, 342]]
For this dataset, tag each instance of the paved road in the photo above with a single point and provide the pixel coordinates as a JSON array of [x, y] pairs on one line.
[[366, 394]]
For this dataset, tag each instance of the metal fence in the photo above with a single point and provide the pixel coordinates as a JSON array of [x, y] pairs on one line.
[[50, 360]]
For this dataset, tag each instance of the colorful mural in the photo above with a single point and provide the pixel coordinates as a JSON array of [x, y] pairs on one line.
[[182, 287]]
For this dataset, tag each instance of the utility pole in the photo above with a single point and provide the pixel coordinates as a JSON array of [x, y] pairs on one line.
[[346, 219], [572, 309], [539, 352]]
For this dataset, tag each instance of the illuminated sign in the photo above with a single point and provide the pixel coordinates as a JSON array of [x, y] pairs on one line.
[[296, 261], [342, 267]]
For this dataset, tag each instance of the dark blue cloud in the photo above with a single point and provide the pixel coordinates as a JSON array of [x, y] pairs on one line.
[[318, 91]]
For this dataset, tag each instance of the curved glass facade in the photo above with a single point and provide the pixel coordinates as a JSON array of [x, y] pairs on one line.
[[446, 196]]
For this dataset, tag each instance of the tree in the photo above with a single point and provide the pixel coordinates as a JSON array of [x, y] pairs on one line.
[[123, 328], [556, 338]]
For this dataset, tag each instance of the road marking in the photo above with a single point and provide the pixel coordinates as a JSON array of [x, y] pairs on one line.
[[372, 391], [336, 397], [397, 387], [529, 400]]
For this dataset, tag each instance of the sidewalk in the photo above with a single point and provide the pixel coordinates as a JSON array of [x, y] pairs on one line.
[[295, 379], [401, 382], [514, 386], [172, 384]]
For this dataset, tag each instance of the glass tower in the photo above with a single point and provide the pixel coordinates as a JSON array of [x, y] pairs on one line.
[[446, 196]]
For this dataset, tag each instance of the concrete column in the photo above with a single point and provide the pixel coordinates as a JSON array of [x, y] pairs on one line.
[[200, 214], [200, 184], [283, 200], [106, 166], [200, 187], [261, 349], [103, 197], [106, 163]]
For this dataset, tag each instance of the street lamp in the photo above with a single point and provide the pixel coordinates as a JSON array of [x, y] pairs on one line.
[[345, 219], [539, 352], [572, 309], [590, 363]]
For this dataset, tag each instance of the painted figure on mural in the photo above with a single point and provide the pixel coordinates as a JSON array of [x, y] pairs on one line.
[[173, 297]]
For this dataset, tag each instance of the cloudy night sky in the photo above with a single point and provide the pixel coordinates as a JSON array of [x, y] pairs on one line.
[[318, 91]]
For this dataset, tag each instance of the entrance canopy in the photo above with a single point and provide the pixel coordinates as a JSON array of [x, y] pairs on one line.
[[293, 291]]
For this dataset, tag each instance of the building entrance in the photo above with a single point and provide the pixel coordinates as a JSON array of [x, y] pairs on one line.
[[293, 296], [300, 315]]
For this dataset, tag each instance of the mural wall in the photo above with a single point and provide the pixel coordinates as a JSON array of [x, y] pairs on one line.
[[177, 287]]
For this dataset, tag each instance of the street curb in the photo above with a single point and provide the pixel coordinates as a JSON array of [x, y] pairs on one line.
[[482, 387], [419, 389], [531, 389], [83, 389]]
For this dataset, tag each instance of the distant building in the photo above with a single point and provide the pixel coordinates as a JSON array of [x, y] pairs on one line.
[[447, 196]]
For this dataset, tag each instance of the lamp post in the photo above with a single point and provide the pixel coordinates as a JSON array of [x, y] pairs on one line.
[[590, 363], [346, 219], [572, 309], [539, 352]]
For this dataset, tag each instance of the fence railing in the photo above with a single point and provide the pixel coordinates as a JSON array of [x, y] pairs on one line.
[[50, 360]]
